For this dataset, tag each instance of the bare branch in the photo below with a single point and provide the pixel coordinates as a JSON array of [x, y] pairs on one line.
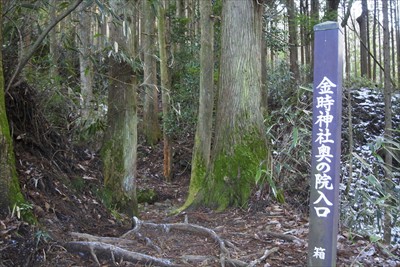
[[25, 59]]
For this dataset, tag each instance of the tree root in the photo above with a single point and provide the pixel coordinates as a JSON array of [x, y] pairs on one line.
[[110, 246], [116, 253]]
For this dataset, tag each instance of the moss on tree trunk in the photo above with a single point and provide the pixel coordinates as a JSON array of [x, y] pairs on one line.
[[10, 191], [232, 173], [239, 146], [119, 151]]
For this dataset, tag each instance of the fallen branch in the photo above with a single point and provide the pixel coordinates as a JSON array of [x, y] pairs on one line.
[[110, 251]]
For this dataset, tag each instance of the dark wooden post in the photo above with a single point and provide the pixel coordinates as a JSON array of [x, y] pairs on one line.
[[326, 133]]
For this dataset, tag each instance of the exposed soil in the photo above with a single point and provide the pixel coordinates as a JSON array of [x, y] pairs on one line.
[[63, 188]]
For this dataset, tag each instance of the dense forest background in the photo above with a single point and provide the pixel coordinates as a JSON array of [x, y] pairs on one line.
[[119, 80]]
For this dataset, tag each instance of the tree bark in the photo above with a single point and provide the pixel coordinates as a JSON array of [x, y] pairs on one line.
[[151, 125], [165, 89], [388, 116], [314, 20], [85, 62], [364, 42], [392, 40], [119, 151], [10, 191], [202, 143], [293, 53], [240, 147], [54, 43], [374, 26], [332, 7], [397, 17]]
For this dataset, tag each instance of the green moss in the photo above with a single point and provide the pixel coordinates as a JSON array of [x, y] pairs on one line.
[[147, 196], [13, 195], [231, 178], [234, 171], [113, 170], [197, 182], [8, 174]]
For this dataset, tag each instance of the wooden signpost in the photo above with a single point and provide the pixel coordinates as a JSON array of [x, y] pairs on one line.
[[326, 139]]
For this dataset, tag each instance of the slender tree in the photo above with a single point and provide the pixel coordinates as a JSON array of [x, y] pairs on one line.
[[392, 40], [374, 51], [314, 17], [364, 42], [202, 143], [240, 147], [119, 151], [346, 15], [380, 43], [293, 45], [165, 88], [85, 62], [54, 43], [388, 114], [397, 28]]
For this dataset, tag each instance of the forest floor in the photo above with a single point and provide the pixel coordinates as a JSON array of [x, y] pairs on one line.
[[63, 184], [267, 234]]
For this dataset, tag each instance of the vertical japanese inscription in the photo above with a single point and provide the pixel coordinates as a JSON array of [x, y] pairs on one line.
[[327, 115]]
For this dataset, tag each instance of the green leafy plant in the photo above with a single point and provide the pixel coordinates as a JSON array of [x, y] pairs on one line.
[[21, 210], [264, 177], [41, 236], [289, 128], [373, 193], [359, 82]]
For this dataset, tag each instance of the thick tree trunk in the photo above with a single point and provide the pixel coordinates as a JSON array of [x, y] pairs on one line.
[[152, 130], [240, 146], [10, 191], [119, 151]]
